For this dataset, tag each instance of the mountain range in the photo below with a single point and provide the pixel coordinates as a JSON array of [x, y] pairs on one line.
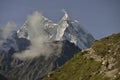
[[40, 46]]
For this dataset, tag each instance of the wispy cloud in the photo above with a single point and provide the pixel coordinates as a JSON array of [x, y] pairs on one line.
[[6, 31], [38, 38]]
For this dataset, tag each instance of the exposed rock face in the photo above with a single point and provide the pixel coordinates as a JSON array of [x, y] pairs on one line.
[[36, 68]]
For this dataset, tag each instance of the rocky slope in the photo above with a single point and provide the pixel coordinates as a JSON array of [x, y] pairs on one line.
[[100, 62]]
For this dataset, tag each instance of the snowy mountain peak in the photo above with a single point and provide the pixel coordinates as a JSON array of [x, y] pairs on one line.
[[66, 16], [38, 26], [66, 29], [71, 30]]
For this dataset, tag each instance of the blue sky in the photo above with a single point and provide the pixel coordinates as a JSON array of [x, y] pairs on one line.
[[99, 17]]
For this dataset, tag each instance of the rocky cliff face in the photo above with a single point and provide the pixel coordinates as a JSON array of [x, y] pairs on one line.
[[36, 68]]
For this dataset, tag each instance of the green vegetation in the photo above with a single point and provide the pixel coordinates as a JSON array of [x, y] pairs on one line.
[[80, 67], [103, 46]]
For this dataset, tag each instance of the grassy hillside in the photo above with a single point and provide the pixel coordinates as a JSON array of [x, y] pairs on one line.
[[100, 62]]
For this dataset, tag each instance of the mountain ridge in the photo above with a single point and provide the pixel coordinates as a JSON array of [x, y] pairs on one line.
[[100, 62], [38, 47]]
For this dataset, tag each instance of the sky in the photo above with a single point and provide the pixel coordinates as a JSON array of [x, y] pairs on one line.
[[100, 17]]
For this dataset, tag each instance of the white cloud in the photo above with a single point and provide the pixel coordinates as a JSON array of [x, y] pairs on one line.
[[38, 38], [6, 30]]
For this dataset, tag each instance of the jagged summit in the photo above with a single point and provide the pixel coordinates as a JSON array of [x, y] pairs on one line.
[[71, 30], [66, 16], [66, 29], [37, 25]]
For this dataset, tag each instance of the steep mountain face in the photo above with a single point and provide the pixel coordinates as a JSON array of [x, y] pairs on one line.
[[14, 42], [70, 30], [64, 39], [100, 62], [36, 68]]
